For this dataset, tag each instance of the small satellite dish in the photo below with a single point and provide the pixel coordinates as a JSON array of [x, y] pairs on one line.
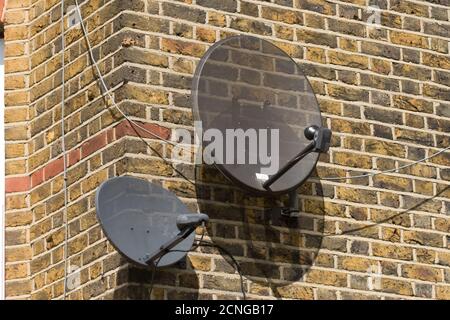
[[263, 106], [142, 220]]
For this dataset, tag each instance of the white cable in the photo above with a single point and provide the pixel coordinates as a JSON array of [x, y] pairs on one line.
[[63, 150], [108, 93], [387, 171], [105, 87]]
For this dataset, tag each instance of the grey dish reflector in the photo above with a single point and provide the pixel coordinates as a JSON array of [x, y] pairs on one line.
[[245, 83], [138, 217]]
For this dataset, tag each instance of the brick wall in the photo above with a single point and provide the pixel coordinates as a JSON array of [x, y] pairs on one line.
[[383, 90]]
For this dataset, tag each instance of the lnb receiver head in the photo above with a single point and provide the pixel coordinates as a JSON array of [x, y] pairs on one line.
[[321, 137], [191, 220]]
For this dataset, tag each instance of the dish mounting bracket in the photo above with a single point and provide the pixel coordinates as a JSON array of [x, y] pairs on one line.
[[292, 210]]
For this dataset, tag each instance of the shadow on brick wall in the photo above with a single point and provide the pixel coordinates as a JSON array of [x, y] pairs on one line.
[[273, 251], [174, 282]]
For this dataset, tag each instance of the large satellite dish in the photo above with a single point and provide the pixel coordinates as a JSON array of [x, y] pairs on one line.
[[258, 99], [141, 218]]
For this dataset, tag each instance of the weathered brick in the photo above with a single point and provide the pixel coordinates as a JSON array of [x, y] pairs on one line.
[[345, 126], [380, 82], [317, 38], [352, 160], [410, 8], [396, 286], [17, 288], [252, 26], [295, 292], [327, 277], [390, 217], [436, 28], [412, 104], [223, 5], [355, 195], [206, 35], [439, 45], [182, 47], [249, 8], [408, 70], [327, 208], [349, 60], [393, 183], [410, 135], [356, 264], [137, 55], [183, 12], [435, 60], [351, 28], [436, 92], [17, 254], [391, 20], [359, 229], [390, 234], [319, 71], [414, 121], [392, 252], [408, 39], [319, 6], [283, 15], [424, 273], [216, 19], [423, 238], [216, 282], [443, 292], [348, 93], [284, 32], [348, 44], [385, 148], [383, 50]]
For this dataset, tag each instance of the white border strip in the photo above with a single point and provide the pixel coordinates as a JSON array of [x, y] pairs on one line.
[[2, 171]]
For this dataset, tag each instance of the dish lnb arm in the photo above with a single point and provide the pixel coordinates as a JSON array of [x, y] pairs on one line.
[[321, 138], [186, 223], [191, 220]]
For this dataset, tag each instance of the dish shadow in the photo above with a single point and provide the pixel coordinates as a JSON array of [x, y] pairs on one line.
[[174, 282], [272, 250]]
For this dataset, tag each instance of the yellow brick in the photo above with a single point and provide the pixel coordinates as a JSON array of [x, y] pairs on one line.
[[16, 271], [327, 277], [18, 254]]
